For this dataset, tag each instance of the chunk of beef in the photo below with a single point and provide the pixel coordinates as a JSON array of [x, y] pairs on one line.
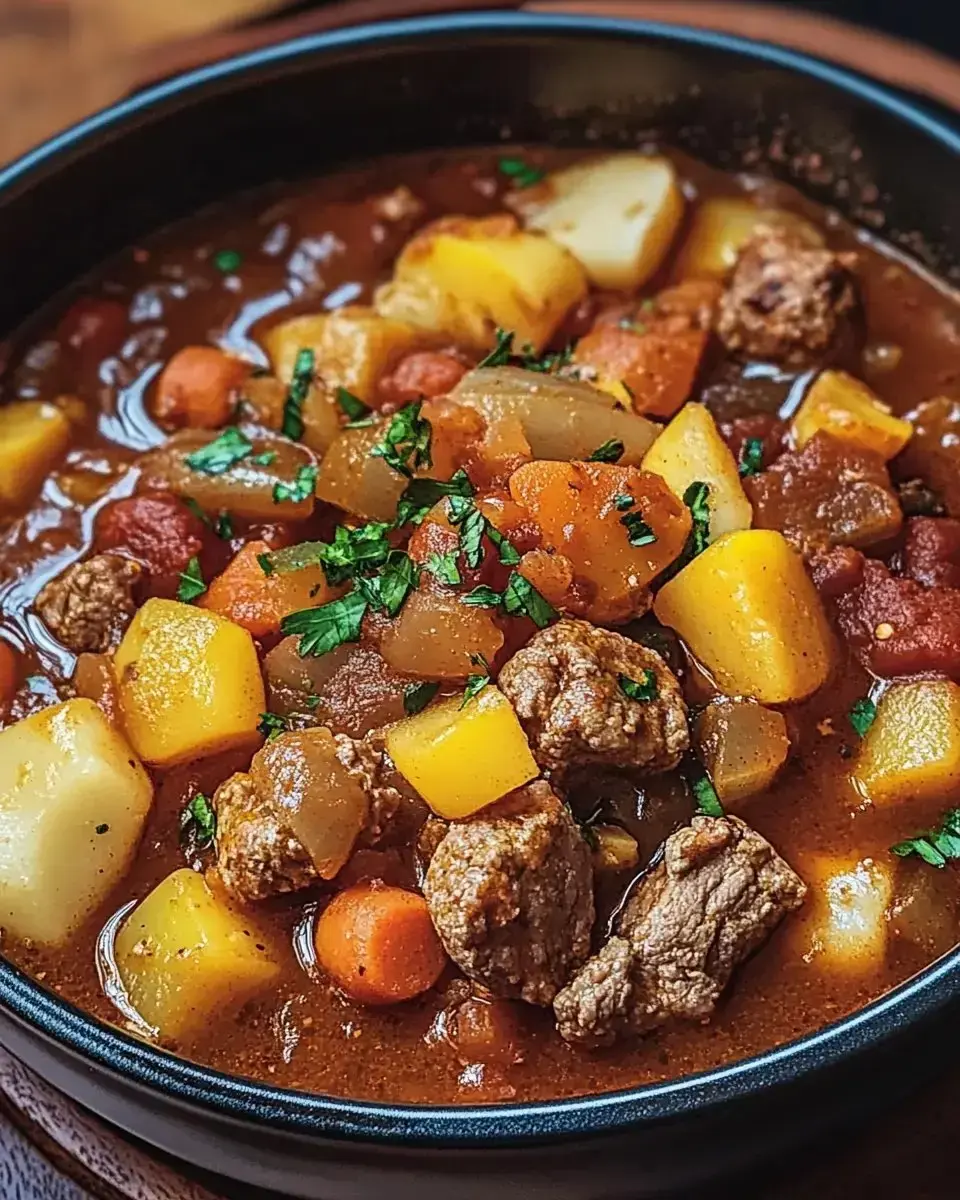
[[829, 493], [716, 897], [565, 685], [931, 552], [369, 763], [785, 299], [158, 531], [933, 453], [510, 892], [90, 605], [894, 625], [258, 854]]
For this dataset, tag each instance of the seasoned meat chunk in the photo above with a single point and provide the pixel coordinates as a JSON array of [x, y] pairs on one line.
[[931, 552], [510, 892], [258, 854], [369, 763], [566, 687], [719, 892], [933, 453], [785, 299], [90, 605], [827, 494]]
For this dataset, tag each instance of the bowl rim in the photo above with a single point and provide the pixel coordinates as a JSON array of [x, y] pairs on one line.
[[145, 1066]]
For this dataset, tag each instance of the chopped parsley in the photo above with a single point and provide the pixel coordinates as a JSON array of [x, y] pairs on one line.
[[508, 554], [544, 364], [225, 451], [639, 532], [416, 697], [224, 527], [643, 690], [420, 495], [301, 489], [192, 585], [696, 498], [547, 364], [521, 598], [622, 501], [365, 548], [862, 714], [352, 407], [751, 457], [521, 173], [500, 355], [389, 589], [271, 725], [330, 625], [476, 683], [265, 459], [227, 261], [936, 846], [610, 452], [406, 443], [482, 597], [705, 794], [300, 381], [472, 525], [198, 822], [444, 567]]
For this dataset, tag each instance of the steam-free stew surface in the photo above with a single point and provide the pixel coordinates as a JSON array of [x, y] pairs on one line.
[[227, 277]]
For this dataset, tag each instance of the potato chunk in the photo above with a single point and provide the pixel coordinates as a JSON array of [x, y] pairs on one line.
[[691, 449], [750, 613], [618, 215], [33, 436], [843, 928], [847, 409], [73, 803], [186, 956], [722, 226], [460, 759], [911, 752], [743, 745], [189, 683], [483, 273]]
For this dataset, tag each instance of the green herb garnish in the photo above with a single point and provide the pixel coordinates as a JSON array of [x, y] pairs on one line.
[[482, 597], [416, 696], [420, 495], [330, 625], [389, 589], [199, 820], [472, 525], [643, 690], [266, 459], [520, 597], [520, 172], [444, 567], [476, 683], [500, 355], [191, 586], [705, 794], [508, 554], [365, 548], [936, 846], [862, 714], [639, 532], [622, 501], [696, 498], [222, 453], [227, 261], [302, 378], [610, 452], [224, 527], [352, 407], [546, 364], [298, 491], [751, 457], [271, 725], [406, 443]]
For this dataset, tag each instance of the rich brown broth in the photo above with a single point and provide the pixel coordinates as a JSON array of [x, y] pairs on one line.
[[320, 244]]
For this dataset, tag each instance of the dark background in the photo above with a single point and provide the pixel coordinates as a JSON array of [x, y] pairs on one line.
[[936, 22]]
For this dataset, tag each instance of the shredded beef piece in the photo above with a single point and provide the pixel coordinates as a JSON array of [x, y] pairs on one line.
[[785, 299], [933, 453], [370, 764], [90, 605], [258, 855], [510, 892], [716, 897], [827, 494], [931, 552], [564, 685]]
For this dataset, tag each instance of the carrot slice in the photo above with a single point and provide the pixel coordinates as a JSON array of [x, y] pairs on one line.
[[198, 388], [378, 944]]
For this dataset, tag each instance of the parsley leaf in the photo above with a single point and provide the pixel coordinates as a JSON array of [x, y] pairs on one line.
[[365, 548], [643, 690], [622, 501], [416, 696], [862, 714], [191, 586], [271, 725], [302, 378], [406, 441], [298, 491], [705, 794], [222, 453], [936, 846], [444, 567], [639, 532], [330, 625], [508, 554], [352, 407], [476, 683], [521, 597], [546, 364], [224, 527], [473, 525], [696, 498], [420, 495], [198, 822], [482, 597], [500, 355], [522, 173], [610, 452], [751, 457], [389, 589], [227, 261], [265, 459]]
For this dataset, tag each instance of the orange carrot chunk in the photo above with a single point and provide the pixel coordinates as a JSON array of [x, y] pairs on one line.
[[198, 388], [378, 944]]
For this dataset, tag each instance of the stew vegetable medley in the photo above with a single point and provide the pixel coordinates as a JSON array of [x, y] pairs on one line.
[[483, 627]]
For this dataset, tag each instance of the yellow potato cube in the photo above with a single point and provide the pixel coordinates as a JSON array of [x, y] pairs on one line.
[[73, 804], [911, 752], [847, 409], [742, 745], [462, 759], [186, 956], [488, 273], [33, 436], [750, 613], [618, 214], [691, 449], [843, 926], [189, 682], [722, 226], [354, 346]]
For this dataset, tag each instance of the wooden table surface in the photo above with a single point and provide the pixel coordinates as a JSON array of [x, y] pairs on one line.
[[60, 59]]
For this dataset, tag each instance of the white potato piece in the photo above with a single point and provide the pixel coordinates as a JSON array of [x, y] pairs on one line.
[[722, 226], [691, 449], [845, 921], [617, 214], [73, 803]]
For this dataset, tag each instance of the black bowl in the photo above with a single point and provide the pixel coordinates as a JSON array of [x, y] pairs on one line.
[[308, 106]]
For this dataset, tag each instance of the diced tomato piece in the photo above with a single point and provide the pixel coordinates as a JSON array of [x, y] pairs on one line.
[[159, 531]]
